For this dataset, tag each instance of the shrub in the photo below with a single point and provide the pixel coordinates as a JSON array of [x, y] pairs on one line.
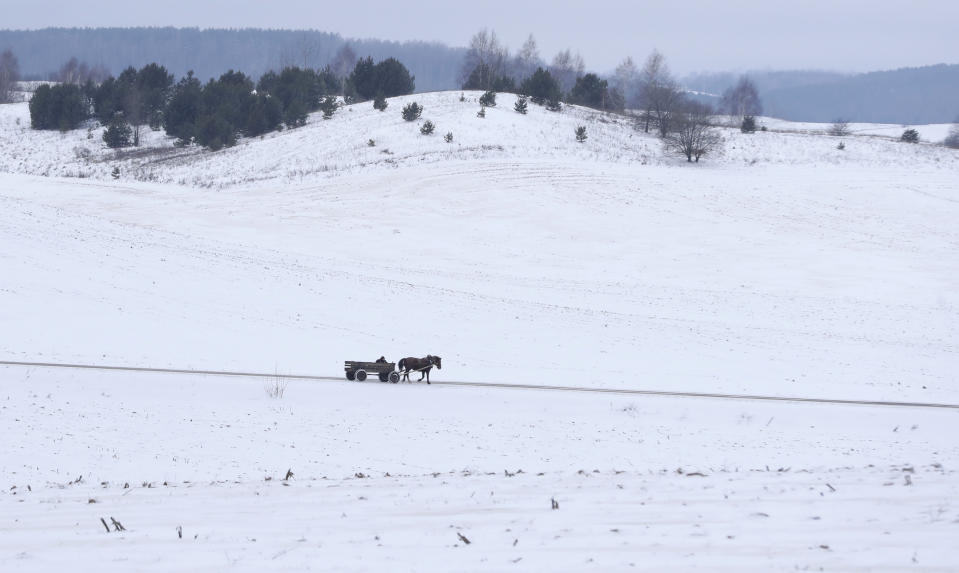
[[488, 99], [448, 138], [841, 146], [581, 133], [554, 104], [371, 143], [840, 127], [427, 127], [910, 136], [749, 124], [412, 111], [380, 102], [521, 106], [952, 140], [462, 96]]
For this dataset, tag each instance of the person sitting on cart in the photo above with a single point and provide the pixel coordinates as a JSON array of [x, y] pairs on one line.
[[381, 360]]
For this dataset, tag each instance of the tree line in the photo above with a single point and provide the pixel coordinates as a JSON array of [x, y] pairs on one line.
[[211, 114], [651, 93]]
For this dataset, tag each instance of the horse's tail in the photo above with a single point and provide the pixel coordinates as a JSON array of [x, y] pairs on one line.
[[402, 364]]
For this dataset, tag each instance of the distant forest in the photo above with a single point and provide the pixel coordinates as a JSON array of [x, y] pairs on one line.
[[210, 53], [928, 94], [908, 96]]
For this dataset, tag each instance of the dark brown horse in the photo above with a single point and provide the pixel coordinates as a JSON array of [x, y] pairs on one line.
[[421, 365]]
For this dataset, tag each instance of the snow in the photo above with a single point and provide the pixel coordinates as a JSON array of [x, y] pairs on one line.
[[781, 267]]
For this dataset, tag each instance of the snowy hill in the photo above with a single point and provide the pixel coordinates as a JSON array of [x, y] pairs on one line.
[[782, 267], [324, 149]]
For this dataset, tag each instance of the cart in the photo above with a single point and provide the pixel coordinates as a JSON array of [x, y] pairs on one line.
[[359, 370]]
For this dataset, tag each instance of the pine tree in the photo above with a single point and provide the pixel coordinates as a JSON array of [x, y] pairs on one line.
[[749, 124], [427, 127], [412, 111], [488, 99], [118, 133], [379, 102], [329, 106], [521, 105], [910, 136], [448, 138], [581, 133]]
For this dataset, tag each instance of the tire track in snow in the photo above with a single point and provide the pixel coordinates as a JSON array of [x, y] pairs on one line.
[[502, 385]]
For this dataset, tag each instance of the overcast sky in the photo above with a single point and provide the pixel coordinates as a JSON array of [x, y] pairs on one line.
[[695, 35]]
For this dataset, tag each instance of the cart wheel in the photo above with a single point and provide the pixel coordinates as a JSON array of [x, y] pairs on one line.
[[394, 377], [361, 375], [384, 377], [350, 375]]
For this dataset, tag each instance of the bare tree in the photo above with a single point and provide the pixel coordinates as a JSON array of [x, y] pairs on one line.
[[626, 80], [75, 72], [692, 133], [9, 75], [485, 50], [344, 61], [566, 67], [952, 140], [658, 92], [840, 128], [526, 60], [742, 99]]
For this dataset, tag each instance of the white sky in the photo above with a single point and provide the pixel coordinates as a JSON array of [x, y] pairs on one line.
[[695, 35]]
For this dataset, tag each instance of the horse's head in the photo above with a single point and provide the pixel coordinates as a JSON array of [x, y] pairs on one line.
[[436, 361]]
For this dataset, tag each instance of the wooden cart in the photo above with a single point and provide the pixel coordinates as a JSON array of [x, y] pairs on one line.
[[359, 370]]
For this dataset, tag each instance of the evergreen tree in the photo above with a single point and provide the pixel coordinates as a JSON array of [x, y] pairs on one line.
[[184, 109], [521, 105], [266, 115], [62, 107], [591, 91], [389, 78], [910, 136], [488, 99], [118, 133], [581, 133], [329, 106], [541, 87], [427, 127], [154, 84], [749, 124], [412, 111], [393, 79], [380, 102], [215, 132]]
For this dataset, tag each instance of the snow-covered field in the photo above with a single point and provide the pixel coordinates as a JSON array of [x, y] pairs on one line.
[[781, 267]]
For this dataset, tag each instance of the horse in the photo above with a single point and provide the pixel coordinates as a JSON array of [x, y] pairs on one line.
[[423, 365]]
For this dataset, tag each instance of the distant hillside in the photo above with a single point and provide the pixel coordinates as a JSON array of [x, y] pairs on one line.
[[209, 53], [923, 95]]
